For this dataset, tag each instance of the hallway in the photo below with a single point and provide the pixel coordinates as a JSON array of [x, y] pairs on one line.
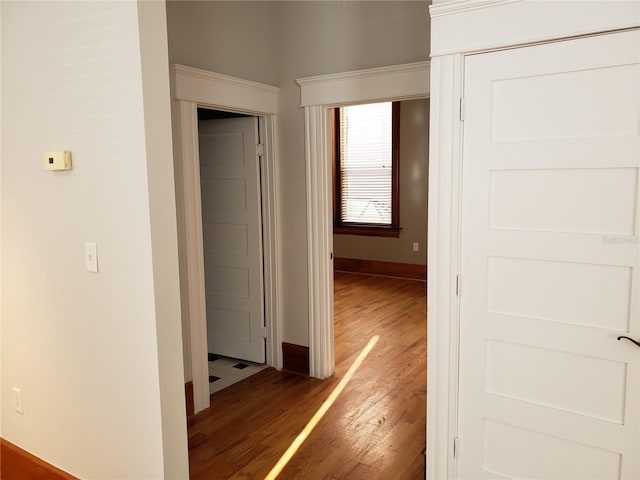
[[376, 427]]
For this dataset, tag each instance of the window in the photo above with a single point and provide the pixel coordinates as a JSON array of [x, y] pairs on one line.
[[366, 181]]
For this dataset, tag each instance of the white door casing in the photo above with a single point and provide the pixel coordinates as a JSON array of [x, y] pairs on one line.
[[232, 237], [319, 94], [550, 262], [190, 88]]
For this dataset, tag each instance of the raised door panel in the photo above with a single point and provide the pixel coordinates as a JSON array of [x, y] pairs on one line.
[[232, 237], [549, 262]]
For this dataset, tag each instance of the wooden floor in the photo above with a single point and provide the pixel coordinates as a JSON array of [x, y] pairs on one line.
[[376, 427]]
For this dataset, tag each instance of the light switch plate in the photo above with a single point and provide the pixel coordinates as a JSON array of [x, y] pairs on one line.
[[91, 257], [17, 400], [60, 160]]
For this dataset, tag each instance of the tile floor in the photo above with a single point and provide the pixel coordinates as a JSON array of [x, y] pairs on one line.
[[225, 371]]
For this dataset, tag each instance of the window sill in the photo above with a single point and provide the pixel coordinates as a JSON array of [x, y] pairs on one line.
[[367, 230]]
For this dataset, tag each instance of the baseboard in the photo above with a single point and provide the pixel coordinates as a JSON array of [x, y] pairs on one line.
[[188, 396], [19, 464], [385, 269], [295, 359]]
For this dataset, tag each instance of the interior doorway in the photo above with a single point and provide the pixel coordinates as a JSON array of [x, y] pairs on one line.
[[193, 88], [319, 95]]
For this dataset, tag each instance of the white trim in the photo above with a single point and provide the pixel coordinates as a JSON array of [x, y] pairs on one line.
[[214, 89], [320, 243], [478, 26], [190, 245], [443, 247], [192, 88], [398, 82], [320, 93], [463, 6], [270, 239]]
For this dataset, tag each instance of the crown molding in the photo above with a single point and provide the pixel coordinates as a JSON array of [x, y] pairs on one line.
[[454, 7], [367, 73], [472, 26], [215, 89], [405, 81], [220, 78]]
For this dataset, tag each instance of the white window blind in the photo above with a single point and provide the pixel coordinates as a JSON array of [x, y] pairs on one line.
[[366, 143]]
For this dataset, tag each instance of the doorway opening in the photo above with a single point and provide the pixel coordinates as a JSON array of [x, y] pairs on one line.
[[194, 88], [399, 257], [379, 282]]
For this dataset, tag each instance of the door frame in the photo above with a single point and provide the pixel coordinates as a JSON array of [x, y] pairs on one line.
[[318, 95], [192, 88]]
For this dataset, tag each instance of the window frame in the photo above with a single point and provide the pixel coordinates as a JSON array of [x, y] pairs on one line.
[[368, 229]]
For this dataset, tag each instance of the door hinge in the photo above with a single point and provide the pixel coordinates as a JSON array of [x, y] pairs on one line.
[[455, 447], [265, 332], [260, 149], [462, 109], [457, 285]]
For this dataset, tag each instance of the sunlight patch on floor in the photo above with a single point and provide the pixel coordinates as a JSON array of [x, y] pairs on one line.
[[324, 408]]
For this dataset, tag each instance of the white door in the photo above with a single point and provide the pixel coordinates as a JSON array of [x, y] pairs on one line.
[[232, 231], [550, 259]]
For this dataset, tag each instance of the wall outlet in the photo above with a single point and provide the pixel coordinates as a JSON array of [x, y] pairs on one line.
[[416, 247], [17, 400]]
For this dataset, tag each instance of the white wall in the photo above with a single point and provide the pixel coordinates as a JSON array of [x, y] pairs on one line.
[[312, 38], [91, 352], [414, 165], [152, 21]]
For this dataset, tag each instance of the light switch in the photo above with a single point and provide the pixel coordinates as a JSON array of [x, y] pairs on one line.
[[17, 401], [57, 160], [91, 257]]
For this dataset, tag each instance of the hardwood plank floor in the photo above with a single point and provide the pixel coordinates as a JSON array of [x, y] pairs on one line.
[[374, 430]]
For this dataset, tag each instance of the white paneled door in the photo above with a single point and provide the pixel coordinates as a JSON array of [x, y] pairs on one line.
[[549, 262], [232, 231]]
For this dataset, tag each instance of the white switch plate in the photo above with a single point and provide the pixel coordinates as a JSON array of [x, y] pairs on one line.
[[17, 400], [416, 247], [60, 160], [91, 257]]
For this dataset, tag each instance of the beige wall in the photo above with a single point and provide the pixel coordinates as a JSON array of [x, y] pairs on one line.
[[311, 38], [97, 356], [414, 166]]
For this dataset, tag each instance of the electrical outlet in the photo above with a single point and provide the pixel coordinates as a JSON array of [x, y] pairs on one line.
[[17, 400], [416, 247]]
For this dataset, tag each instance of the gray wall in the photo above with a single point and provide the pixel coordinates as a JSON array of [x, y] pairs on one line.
[[235, 38], [298, 39], [414, 166]]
